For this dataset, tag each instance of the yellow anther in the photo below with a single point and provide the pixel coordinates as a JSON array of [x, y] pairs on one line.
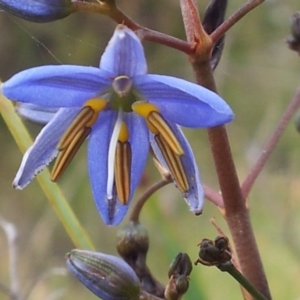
[[164, 129], [97, 105], [124, 134], [144, 109]]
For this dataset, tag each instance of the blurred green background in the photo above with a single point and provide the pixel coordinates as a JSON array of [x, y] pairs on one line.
[[257, 75]]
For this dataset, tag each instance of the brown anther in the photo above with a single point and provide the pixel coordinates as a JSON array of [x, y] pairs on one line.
[[122, 171], [174, 163], [79, 123], [67, 154], [157, 121]]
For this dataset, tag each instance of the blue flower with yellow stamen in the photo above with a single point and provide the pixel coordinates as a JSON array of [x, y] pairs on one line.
[[122, 110]]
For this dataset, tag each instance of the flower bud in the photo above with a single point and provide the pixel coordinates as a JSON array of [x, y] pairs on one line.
[[107, 276], [38, 11], [213, 18], [132, 240], [179, 271], [181, 265]]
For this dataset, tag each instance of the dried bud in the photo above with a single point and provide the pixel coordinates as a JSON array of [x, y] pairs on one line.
[[181, 265], [107, 276], [214, 253], [179, 271], [294, 39], [213, 18], [132, 240], [35, 113], [38, 11]]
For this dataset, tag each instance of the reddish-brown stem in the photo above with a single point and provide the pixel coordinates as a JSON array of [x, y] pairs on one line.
[[236, 212], [142, 200], [271, 143], [213, 196], [234, 18], [146, 34]]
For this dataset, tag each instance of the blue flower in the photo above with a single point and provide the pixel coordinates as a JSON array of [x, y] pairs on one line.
[[123, 110]]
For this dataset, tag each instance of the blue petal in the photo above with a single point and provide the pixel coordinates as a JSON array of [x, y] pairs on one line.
[[38, 11], [98, 170], [124, 54], [35, 113], [139, 142], [56, 86], [183, 102], [194, 197], [43, 150], [113, 211]]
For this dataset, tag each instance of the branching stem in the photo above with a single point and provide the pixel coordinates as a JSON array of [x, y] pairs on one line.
[[234, 18], [271, 143]]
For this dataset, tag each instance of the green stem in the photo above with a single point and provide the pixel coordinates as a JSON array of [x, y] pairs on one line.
[[53, 193], [238, 276]]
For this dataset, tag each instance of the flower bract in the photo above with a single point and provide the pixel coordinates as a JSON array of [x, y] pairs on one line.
[[123, 110]]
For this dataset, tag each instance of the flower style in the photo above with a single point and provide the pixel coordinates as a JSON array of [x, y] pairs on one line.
[[123, 110]]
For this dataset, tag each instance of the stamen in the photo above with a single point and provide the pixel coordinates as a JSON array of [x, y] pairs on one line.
[[112, 155], [143, 108], [77, 125], [165, 130], [124, 134], [65, 157], [174, 163], [86, 118], [157, 124], [122, 171], [97, 105]]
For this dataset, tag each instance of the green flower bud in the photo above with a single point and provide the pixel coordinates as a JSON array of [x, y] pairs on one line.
[[107, 276], [132, 240]]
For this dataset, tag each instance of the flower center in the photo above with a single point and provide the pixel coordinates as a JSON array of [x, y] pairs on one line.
[[123, 95]]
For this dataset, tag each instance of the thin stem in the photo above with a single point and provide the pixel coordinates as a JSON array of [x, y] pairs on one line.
[[113, 12], [53, 193], [271, 143], [233, 19], [142, 200], [238, 276], [213, 196]]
